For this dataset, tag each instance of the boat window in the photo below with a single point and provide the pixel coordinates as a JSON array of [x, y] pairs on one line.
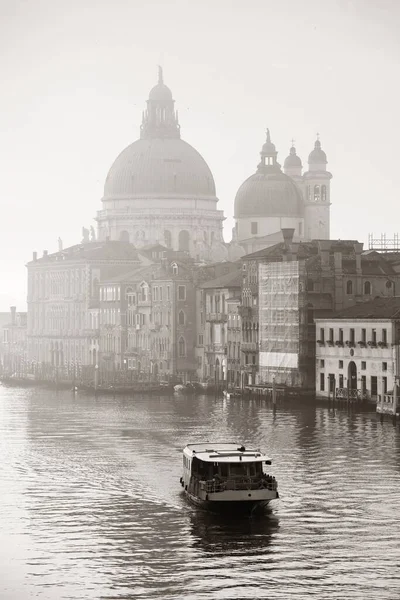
[[238, 470], [224, 470]]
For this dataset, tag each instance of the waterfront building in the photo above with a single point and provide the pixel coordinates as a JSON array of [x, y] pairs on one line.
[[63, 300], [13, 336], [357, 351], [220, 298], [147, 320], [281, 300], [161, 190], [272, 199]]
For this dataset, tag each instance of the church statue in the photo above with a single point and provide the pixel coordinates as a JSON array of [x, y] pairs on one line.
[[60, 244], [85, 235], [92, 234]]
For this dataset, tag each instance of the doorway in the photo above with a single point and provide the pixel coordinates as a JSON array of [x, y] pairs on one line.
[[352, 376]]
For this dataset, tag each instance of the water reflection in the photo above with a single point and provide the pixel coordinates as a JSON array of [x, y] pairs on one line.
[[219, 534]]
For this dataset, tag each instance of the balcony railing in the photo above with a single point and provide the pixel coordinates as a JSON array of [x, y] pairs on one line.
[[216, 348], [355, 394], [216, 317], [249, 346]]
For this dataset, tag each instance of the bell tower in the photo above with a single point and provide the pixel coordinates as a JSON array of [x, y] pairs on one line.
[[317, 199]]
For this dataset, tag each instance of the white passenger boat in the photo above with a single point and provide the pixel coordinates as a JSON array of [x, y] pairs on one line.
[[227, 476]]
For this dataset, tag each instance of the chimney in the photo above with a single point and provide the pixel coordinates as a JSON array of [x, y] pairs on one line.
[[287, 240], [13, 314], [34, 256], [288, 234]]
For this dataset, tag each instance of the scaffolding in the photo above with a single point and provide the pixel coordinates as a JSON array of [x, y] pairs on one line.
[[383, 243], [281, 304]]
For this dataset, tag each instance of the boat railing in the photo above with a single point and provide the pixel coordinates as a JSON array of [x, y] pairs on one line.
[[219, 484]]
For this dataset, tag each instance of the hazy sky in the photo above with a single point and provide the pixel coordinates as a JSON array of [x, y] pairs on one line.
[[75, 76]]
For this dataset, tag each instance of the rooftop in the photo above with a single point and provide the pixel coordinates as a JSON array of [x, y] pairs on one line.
[[379, 308]]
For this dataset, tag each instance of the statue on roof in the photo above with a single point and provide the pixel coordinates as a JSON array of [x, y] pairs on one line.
[[92, 234], [85, 235]]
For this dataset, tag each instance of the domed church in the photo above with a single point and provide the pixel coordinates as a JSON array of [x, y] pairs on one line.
[[161, 190], [270, 200]]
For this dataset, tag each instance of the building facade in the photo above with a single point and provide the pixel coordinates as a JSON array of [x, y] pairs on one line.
[[357, 352]]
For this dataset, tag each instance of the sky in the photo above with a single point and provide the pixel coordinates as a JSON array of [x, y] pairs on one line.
[[75, 77]]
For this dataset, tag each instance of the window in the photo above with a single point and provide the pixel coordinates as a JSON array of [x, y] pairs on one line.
[[374, 385], [352, 336], [181, 292], [310, 285], [384, 336], [340, 364], [322, 382], [349, 287], [174, 267], [322, 363], [201, 340], [317, 193], [322, 334], [181, 318], [168, 292], [331, 335], [300, 228], [155, 293], [384, 385], [323, 193], [374, 336], [363, 335], [384, 366], [341, 380], [341, 336], [367, 288], [363, 365], [161, 294], [181, 347], [363, 383], [254, 227]]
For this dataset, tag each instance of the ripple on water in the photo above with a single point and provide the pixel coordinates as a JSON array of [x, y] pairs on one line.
[[91, 505]]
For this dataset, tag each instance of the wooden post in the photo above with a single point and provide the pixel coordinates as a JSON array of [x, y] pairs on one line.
[[273, 391]]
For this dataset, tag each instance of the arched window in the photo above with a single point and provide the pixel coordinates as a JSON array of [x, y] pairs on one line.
[[317, 193], [367, 288], [143, 292], [168, 238], [124, 236], [323, 193], [184, 241], [174, 267], [181, 347], [349, 287], [181, 318]]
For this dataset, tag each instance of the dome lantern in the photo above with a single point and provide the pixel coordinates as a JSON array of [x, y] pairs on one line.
[[160, 120], [317, 158]]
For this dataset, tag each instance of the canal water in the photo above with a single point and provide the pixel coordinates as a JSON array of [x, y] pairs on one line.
[[91, 505]]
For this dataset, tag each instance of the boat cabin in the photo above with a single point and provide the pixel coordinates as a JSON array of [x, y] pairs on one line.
[[227, 465]]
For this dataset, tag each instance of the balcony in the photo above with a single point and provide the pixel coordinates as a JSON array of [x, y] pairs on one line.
[[355, 394], [245, 311], [216, 317], [214, 348], [350, 344], [249, 346]]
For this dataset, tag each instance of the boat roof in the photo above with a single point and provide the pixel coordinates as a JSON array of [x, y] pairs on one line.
[[224, 452]]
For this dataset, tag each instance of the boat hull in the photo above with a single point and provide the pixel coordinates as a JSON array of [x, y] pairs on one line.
[[236, 505]]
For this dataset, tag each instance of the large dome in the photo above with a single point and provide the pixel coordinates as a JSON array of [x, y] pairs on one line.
[[268, 195], [159, 166]]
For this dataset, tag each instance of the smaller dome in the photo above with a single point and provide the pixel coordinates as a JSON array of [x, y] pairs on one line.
[[161, 94], [292, 160], [317, 156]]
